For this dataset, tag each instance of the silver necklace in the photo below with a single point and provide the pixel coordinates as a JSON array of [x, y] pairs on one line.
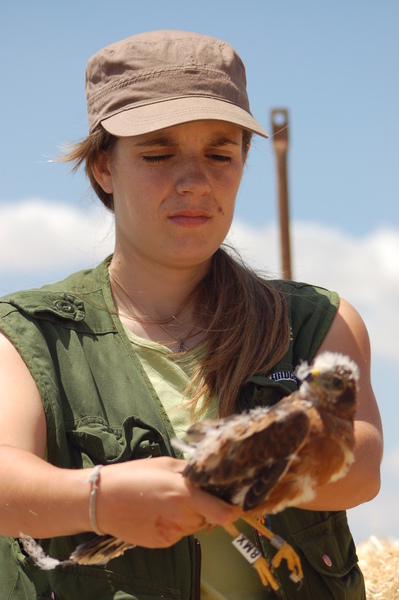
[[150, 319]]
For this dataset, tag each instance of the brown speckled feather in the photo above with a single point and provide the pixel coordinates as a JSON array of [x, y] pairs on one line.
[[242, 459], [272, 458]]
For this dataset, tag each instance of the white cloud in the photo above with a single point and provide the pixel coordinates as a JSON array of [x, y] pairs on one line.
[[39, 237], [390, 465], [378, 517], [364, 270], [36, 236]]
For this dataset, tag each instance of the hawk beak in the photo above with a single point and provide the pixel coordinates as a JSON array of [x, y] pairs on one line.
[[312, 375]]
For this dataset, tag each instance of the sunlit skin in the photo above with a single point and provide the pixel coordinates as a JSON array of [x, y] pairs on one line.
[[174, 194]]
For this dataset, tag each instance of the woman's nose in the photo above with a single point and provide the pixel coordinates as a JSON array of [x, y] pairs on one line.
[[192, 178]]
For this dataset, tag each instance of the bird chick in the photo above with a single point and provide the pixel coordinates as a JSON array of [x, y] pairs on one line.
[[275, 457]]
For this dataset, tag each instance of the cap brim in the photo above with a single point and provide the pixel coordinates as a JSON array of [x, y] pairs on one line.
[[152, 117]]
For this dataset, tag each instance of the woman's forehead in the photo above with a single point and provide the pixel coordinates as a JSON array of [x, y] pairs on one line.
[[214, 132]]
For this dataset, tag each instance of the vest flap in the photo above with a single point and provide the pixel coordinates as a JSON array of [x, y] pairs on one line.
[[42, 304]]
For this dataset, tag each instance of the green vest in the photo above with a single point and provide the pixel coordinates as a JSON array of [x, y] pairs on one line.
[[101, 409]]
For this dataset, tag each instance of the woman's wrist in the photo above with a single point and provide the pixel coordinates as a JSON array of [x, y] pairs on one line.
[[94, 480]]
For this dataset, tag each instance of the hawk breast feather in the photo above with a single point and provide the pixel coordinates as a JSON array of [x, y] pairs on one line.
[[273, 457]]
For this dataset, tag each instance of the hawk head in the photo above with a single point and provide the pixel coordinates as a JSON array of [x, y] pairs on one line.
[[332, 380]]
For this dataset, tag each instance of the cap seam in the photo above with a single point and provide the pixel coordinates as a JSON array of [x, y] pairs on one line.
[[246, 116], [149, 74], [177, 38], [182, 97]]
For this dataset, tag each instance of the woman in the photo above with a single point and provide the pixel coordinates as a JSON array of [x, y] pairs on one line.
[[112, 363]]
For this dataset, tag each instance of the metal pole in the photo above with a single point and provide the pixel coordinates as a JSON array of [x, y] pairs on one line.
[[280, 142]]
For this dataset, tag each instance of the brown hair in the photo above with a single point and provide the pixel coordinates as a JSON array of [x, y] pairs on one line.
[[244, 314], [247, 329], [87, 152]]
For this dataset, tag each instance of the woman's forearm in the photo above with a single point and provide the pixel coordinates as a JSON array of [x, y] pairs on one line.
[[362, 482], [39, 499], [144, 502]]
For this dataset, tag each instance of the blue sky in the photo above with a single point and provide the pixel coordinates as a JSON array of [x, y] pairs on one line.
[[334, 65]]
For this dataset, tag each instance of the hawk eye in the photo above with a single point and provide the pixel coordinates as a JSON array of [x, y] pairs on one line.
[[336, 383]]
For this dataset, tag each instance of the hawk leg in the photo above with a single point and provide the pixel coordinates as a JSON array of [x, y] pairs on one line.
[[260, 564], [284, 549]]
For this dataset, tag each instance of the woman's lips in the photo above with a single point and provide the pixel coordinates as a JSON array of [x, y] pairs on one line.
[[190, 218]]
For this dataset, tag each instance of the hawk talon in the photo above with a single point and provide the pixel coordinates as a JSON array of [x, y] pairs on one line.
[[296, 579], [284, 550], [265, 573], [293, 562]]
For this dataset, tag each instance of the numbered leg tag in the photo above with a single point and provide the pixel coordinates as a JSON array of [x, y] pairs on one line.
[[246, 548]]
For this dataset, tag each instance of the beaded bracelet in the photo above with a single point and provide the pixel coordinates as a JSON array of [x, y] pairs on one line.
[[94, 479]]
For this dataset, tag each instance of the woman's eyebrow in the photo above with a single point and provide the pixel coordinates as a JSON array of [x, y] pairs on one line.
[[223, 141], [163, 140], [168, 141]]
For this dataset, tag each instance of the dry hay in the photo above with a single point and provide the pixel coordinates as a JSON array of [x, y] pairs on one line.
[[379, 561]]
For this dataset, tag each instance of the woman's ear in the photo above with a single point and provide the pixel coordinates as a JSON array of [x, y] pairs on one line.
[[102, 172]]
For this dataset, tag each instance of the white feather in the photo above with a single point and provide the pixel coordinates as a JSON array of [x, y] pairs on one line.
[[37, 553], [328, 361]]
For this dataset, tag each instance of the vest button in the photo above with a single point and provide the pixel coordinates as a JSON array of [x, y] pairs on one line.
[[65, 306], [327, 560]]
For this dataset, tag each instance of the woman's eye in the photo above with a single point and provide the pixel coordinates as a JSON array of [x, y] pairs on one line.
[[220, 158], [156, 159]]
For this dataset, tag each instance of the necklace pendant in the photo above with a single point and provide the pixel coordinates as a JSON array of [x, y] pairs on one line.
[[182, 347]]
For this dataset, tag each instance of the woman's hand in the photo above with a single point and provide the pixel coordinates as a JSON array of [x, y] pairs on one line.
[[146, 501], [149, 503]]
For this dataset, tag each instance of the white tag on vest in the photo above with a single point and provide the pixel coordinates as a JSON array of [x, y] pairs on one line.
[[246, 548]]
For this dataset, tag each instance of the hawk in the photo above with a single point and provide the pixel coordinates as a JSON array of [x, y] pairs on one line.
[[268, 458]]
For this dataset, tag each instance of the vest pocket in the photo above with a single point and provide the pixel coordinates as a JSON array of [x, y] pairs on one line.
[[19, 579], [92, 441], [92, 583], [331, 553]]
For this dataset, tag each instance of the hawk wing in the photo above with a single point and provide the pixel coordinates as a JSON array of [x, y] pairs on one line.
[[241, 458]]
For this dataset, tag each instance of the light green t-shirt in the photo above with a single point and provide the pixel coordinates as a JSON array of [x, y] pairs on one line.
[[231, 576]]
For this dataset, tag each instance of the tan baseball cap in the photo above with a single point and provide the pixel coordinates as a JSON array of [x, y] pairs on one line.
[[155, 80]]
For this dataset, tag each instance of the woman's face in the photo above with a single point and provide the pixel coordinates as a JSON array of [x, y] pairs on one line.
[[174, 191]]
